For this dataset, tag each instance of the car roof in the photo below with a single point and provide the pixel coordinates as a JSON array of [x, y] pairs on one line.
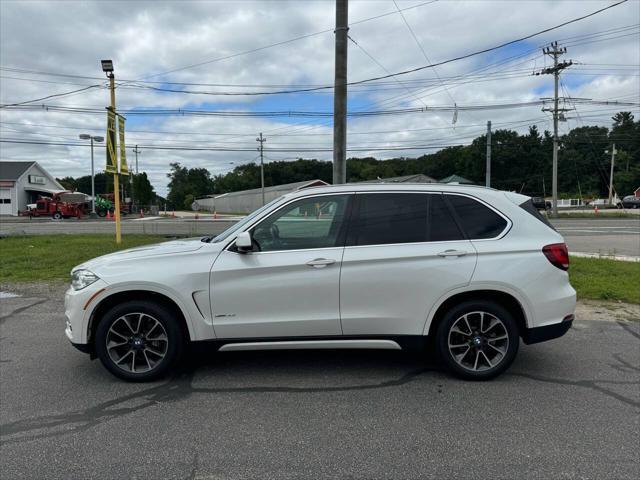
[[394, 187]]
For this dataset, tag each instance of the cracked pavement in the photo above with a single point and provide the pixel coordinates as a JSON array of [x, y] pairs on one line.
[[569, 408]]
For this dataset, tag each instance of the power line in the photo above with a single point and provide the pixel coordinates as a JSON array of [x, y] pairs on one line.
[[50, 96]]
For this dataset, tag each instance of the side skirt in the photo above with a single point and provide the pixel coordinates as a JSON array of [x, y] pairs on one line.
[[399, 342]]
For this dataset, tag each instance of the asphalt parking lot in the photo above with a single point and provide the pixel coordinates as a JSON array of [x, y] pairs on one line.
[[567, 409]]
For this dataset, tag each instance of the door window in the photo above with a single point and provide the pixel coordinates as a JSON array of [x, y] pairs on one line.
[[386, 218], [477, 220], [315, 222], [442, 226], [390, 218]]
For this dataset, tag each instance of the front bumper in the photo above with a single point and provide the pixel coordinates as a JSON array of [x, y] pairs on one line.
[[78, 305], [547, 332]]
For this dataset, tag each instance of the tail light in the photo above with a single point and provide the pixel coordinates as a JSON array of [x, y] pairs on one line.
[[557, 254]]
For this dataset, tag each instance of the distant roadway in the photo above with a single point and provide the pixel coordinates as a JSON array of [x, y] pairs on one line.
[[604, 236]]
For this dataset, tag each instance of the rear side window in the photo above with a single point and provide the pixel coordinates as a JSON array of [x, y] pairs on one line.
[[477, 220], [383, 218], [530, 208]]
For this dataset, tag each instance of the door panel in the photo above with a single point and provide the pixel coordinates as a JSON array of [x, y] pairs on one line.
[[276, 294], [289, 285], [389, 289], [404, 251]]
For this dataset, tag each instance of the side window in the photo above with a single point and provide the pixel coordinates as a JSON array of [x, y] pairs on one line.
[[387, 218], [308, 223], [477, 220], [442, 226]]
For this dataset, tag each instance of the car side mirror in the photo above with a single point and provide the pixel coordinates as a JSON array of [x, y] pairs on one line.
[[244, 243]]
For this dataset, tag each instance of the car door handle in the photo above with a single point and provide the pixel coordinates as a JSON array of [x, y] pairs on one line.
[[452, 253], [320, 262]]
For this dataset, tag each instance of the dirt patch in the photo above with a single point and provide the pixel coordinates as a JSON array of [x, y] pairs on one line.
[[608, 311]]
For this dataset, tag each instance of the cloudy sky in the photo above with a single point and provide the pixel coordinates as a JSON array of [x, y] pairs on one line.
[[221, 47]]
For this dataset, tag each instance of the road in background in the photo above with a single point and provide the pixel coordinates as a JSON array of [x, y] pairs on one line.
[[566, 409], [604, 236]]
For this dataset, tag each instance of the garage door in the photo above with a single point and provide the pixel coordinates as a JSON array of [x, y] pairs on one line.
[[5, 201]]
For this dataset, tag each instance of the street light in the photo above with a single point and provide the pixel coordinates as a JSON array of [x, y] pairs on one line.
[[107, 66], [93, 138]]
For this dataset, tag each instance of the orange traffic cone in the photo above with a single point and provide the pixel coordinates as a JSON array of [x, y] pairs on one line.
[[597, 211], [108, 215], [173, 214]]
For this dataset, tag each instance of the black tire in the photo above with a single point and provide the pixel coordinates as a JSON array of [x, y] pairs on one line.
[[481, 360], [101, 213], [116, 322], [56, 216]]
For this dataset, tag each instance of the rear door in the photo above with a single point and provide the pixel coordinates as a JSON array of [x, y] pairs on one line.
[[404, 251]]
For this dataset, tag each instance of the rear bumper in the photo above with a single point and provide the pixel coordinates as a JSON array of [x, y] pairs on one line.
[[547, 332]]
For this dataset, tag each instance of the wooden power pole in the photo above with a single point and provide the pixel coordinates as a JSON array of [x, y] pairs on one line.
[[340, 94]]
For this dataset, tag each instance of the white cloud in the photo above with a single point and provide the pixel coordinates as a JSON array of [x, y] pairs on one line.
[[147, 38]]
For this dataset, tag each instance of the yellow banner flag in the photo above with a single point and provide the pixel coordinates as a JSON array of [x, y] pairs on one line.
[[124, 169], [112, 159]]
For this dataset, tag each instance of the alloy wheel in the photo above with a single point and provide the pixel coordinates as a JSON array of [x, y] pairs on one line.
[[478, 341], [137, 342]]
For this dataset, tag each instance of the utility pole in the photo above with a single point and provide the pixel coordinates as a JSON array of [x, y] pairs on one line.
[[261, 139], [613, 161], [488, 178], [136, 151], [555, 52], [116, 176], [340, 94]]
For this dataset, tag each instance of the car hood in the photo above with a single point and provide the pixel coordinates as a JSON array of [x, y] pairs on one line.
[[165, 248]]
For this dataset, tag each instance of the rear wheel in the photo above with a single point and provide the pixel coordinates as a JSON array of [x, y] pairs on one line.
[[477, 340], [139, 341]]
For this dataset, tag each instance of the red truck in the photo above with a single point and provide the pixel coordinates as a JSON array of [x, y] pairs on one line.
[[59, 205]]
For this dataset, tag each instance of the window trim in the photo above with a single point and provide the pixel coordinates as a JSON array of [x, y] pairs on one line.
[[349, 209], [506, 229]]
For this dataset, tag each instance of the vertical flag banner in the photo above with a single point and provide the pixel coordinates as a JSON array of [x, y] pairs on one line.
[[124, 169], [112, 159]]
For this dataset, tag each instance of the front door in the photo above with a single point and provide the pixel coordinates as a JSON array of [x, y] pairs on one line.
[[288, 286]]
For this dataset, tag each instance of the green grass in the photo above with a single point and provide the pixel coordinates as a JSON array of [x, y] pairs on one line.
[[50, 258], [601, 279]]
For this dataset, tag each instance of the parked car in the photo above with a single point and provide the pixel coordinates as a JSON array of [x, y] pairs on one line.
[[630, 201], [465, 270], [541, 204]]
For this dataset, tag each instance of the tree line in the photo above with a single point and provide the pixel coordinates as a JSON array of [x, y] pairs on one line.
[[136, 186], [520, 162]]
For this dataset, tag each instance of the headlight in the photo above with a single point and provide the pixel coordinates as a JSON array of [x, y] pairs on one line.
[[82, 278]]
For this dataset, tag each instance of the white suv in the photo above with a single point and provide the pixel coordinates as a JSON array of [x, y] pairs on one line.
[[465, 270]]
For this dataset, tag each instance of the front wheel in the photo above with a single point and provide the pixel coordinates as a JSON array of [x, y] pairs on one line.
[[56, 216], [477, 340], [138, 341]]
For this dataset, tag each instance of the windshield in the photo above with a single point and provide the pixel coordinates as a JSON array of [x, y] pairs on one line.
[[238, 226]]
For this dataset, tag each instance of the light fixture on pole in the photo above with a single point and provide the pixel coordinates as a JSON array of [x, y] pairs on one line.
[[107, 67], [93, 138]]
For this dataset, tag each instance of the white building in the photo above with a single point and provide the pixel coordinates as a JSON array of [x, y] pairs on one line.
[[21, 183], [246, 201]]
